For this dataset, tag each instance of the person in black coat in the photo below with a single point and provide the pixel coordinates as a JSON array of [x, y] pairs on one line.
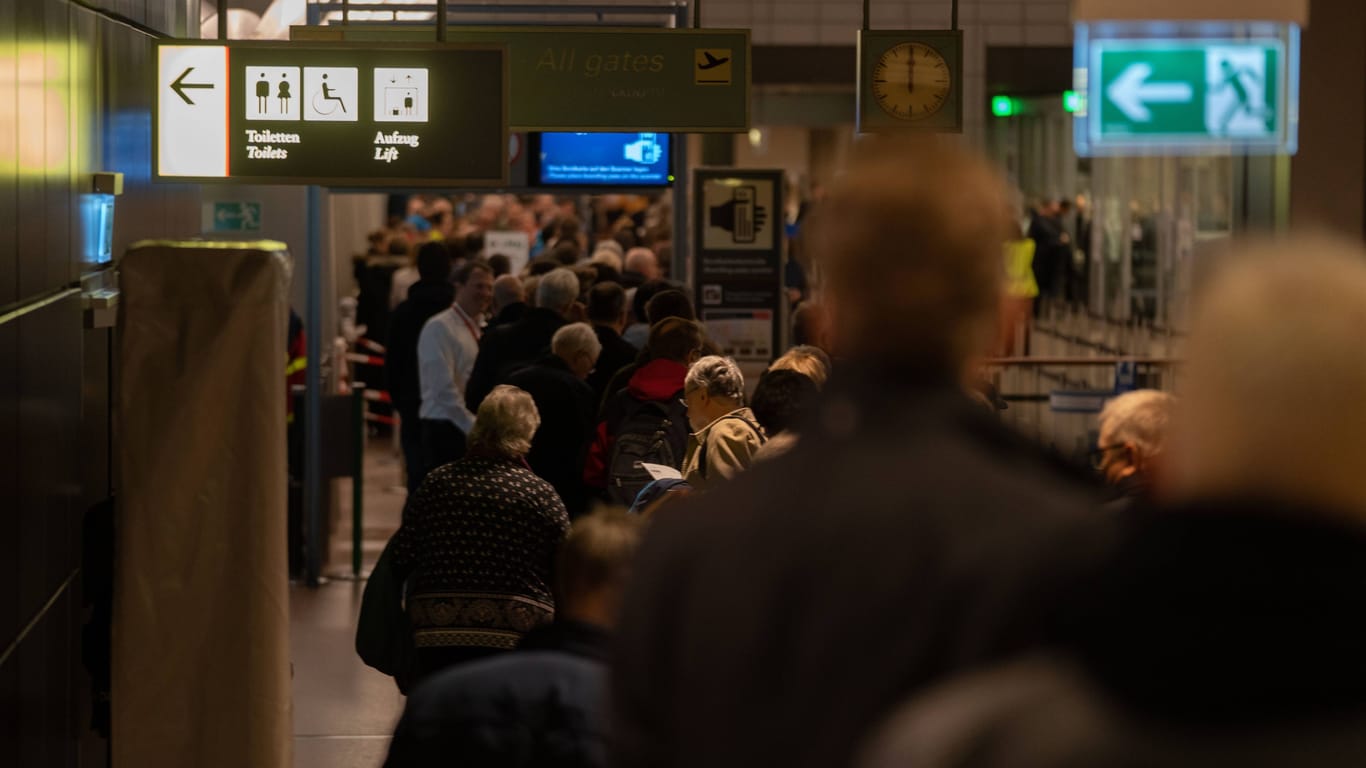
[[1228, 625], [509, 301], [432, 293], [907, 537], [504, 349], [607, 312], [568, 410], [544, 704]]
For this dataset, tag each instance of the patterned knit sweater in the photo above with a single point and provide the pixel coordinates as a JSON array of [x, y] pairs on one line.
[[479, 540]]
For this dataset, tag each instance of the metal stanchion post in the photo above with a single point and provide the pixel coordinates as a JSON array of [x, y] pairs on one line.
[[358, 475]]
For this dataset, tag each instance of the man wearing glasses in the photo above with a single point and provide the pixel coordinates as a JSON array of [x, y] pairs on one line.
[[1133, 428]]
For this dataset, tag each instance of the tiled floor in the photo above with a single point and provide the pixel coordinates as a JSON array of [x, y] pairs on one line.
[[343, 710]]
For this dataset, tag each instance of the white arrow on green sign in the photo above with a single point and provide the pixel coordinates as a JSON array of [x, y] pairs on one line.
[[1132, 92], [1187, 91]]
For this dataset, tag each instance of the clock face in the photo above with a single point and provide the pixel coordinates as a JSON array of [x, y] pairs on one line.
[[912, 81]]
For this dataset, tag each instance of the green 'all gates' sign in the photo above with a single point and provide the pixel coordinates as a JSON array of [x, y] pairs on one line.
[[1196, 91], [589, 79]]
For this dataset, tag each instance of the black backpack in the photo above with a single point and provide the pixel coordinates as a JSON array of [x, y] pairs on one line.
[[653, 432]]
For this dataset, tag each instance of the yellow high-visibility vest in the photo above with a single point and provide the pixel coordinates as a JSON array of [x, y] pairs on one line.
[[1019, 262]]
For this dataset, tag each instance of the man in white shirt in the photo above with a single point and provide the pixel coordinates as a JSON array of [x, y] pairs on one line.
[[446, 351]]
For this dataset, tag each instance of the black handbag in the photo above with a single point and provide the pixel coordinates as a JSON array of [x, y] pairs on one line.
[[384, 638]]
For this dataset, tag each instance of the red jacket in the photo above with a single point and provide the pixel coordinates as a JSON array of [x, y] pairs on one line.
[[660, 380]]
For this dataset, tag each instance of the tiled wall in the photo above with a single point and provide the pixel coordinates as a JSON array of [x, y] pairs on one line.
[[74, 98]]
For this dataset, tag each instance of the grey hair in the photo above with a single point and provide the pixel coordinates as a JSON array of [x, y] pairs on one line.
[[558, 289], [1139, 417], [575, 338], [505, 424], [607, 258], [720, 376]]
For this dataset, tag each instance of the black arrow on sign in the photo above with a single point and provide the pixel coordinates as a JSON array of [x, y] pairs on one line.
[[180, 85]]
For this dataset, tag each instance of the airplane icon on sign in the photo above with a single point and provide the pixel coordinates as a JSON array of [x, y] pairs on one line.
[[712, 61]]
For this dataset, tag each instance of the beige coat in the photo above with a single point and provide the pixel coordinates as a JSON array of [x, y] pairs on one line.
[[731, 442]]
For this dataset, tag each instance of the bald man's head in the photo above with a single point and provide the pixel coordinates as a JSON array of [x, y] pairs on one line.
[[507, 290], [642, 261], [1273, 399], [910, 238]]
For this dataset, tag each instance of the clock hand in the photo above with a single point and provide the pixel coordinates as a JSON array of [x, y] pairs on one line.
[[910, 72]]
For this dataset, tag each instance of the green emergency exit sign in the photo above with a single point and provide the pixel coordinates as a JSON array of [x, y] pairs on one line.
[[235, 217], [1188, 94], [1188, 90]]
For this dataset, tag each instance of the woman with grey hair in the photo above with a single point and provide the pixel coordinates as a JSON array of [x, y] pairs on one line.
[[725, 434], [478, 540]]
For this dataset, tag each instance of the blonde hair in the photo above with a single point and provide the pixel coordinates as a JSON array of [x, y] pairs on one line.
[[598, 552], [505, 424], [807, 360], [1271, 396]]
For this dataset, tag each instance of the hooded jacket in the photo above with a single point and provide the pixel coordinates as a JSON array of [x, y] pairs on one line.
[[658, 381]]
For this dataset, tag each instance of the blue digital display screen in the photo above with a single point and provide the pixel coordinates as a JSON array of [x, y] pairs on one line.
[[604, 159]]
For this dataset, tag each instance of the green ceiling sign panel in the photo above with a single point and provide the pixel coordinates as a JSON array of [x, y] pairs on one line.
[[1187, 88]]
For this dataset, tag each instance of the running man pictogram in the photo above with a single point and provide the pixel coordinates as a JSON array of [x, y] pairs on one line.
[[1236, 78]]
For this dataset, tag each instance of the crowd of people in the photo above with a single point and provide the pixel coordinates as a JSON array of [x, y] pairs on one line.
[[854, 562]]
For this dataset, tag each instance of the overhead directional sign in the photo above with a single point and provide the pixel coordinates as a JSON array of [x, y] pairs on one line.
[[339, 114], [1189, 95], [604, 79]]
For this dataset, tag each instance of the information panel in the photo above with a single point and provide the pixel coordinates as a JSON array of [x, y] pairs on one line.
[[1183, 94], [605, 79], [603, 159], [336, 114], [739, 221]]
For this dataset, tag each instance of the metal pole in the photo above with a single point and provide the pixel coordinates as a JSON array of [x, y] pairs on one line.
[[313, 395], [357, 475], [678, 270], [955, 15], [346, 13], [696, 14], [866, 15], [441, 21], [222, 19], [678, 266]]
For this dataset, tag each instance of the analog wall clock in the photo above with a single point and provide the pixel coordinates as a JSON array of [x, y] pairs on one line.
[[910, 80]]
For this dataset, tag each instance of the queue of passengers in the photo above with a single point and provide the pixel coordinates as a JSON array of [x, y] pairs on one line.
[[858, 564]]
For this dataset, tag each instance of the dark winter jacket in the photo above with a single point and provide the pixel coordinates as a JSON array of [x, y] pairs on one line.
[[504, 349], [617, 353], [508, 315], [541, 706], [907, 537], [1224, 634], [566, 406], [425, 298]]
